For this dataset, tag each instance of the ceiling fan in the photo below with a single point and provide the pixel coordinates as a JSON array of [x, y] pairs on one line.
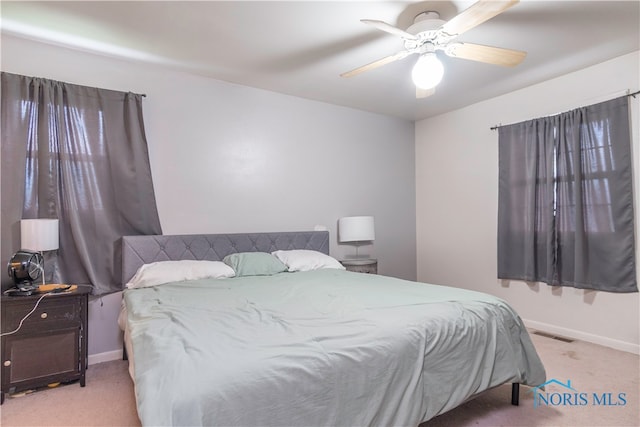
[[429, 34]]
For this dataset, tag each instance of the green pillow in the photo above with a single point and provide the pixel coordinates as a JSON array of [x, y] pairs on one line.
[[254, 264]]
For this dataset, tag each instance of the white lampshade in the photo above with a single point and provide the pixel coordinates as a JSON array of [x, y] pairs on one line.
[[39, 234], [428, 71], [356, 229]]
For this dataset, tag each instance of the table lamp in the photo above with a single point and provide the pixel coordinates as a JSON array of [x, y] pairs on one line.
[[357, 230], [39, 235]]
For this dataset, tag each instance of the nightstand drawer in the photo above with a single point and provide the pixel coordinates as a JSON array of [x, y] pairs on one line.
[[48, 311], [369, 266]]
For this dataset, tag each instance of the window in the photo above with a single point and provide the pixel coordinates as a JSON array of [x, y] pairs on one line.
[[565, 214], [78, 154]]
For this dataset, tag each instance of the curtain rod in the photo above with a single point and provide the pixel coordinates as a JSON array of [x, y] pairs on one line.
[[633, 94]]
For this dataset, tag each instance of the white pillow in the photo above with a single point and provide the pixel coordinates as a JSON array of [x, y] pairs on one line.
[[158, 273], [306, 260]]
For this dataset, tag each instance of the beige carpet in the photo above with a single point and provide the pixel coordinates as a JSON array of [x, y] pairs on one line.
[[108, 398]]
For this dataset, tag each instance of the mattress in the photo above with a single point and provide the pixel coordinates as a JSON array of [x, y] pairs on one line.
[[323, 347]]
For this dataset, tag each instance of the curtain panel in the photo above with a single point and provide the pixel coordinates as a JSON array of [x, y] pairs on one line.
[[565, 204], [78, 154]]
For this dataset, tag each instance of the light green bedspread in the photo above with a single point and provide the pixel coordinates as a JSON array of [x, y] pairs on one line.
[[325, 347]]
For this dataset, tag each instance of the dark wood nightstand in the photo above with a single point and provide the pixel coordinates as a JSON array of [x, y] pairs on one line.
[[51, 345], [361, 265]]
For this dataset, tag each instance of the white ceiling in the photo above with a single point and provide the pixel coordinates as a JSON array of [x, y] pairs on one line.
[[300, 47]]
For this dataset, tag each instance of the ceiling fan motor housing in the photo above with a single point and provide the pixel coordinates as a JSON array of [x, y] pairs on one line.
[[425, 27]]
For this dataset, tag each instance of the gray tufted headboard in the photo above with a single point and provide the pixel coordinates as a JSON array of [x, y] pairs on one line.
[[139, 250]]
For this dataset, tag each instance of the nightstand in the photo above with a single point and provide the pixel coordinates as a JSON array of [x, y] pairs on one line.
[[51, 345], [361, 265]]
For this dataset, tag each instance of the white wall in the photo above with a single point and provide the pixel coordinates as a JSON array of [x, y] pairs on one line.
[[227, 158], [457, 199]]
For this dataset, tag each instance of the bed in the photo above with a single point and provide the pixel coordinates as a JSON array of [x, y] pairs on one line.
[[315, 346]]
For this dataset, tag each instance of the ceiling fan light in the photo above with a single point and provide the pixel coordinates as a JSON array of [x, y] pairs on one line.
[[428, 71]]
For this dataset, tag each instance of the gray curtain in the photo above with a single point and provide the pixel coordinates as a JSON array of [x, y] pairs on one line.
[[78, 154], [565, 208]]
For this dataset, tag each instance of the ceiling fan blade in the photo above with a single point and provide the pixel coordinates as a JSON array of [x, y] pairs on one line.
[[375, 64], [389, 28], [423, 93], [487, 54], [475, 15]]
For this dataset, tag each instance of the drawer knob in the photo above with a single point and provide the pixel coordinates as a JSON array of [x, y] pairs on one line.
[[7, 363], [43, 315]]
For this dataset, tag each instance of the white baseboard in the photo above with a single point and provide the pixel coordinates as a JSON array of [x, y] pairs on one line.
[[583, 336], [107, 356]]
